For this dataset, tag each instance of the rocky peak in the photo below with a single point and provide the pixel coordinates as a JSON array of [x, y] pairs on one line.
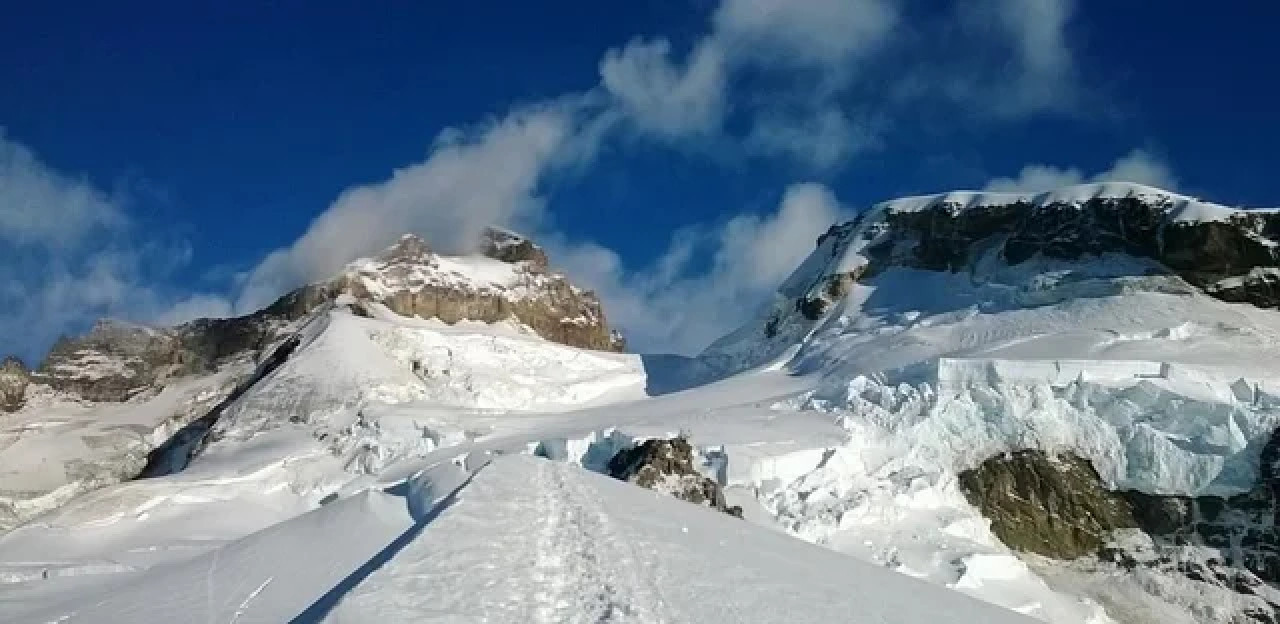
[[508, 246], [115, 361], [409, 249], [508, 279], [112, 362]]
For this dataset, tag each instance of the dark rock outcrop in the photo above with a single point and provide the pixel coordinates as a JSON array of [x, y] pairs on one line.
[[14, 378], [1259, 604], [667, 466], [1059, 507], [834, 288], [511, 247], [1229, 259], [1052, 506]]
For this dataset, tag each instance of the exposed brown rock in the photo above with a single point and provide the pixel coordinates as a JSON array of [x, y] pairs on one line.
[[547, 303], [1059, 507], [834, 289], [1055, 507], [667, 465]]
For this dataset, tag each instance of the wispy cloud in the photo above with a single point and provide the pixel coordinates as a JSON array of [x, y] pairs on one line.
[[1138, 166], [472, 178], [662, 96], [73, 256], [823, 33], [819, 101], [44, 208], [709, 279]]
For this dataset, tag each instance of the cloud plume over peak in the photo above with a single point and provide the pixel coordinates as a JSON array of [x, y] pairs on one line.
[[1138, 166], [472, 179]]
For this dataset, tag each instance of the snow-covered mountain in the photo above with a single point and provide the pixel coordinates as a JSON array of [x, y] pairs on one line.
[[1064, 404], [1119, 340], [100, 406]]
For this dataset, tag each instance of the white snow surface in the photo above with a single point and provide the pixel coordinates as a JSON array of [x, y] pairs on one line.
[[1179, 207], [57, 447], [593, 549]]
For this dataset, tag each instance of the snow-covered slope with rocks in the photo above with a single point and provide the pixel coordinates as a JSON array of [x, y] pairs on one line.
[[1062, 404], [946, 330], [95, 410]]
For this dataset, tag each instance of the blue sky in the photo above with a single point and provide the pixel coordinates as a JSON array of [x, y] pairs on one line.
[[161, 161]]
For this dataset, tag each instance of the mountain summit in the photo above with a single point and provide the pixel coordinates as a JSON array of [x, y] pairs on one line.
[[152, 382], [508, 279]]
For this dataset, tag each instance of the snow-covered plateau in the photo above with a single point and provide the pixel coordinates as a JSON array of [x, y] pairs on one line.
[[965, 407]]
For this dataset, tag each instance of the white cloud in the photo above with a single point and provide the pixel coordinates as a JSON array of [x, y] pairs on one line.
[[197, 306], [1036, 29], [40, 206], [1036, 179], [822, 139], [814, 32], [680, 305], [471, 179], [662, 96], [74, 257], [1142, 167], [1043, 76], [1138, 166]]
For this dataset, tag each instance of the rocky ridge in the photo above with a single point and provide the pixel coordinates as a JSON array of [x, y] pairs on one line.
[[1231, 254], [509, 280]]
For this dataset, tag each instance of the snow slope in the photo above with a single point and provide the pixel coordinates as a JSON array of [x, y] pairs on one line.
[[524, 540], [601, 550]]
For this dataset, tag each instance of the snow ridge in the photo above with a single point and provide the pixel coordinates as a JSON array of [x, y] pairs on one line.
[[1180, 208]]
